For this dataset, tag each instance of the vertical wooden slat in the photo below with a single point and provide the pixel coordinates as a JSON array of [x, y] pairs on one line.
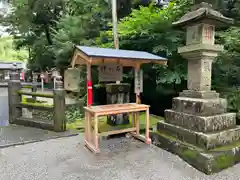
[[137, 123], [89, 125], [96, 138], [86, 127], [148, 140]]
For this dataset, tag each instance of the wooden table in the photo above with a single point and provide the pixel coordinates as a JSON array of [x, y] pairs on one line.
[[93, 112]]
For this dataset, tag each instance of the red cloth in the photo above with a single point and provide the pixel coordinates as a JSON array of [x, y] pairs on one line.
[[22, 76], [89, 93]]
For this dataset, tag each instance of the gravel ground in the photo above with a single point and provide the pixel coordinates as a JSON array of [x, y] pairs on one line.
[[120, 159]]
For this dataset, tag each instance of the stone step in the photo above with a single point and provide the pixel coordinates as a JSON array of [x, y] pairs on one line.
[[200, 107], [203, 140], [199, 94], [201, 123]]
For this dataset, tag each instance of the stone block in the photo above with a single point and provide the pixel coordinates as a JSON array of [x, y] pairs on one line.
[[200, 107], [209, 162], [199, 74], [204, 140], [199, 94], [201, 123]]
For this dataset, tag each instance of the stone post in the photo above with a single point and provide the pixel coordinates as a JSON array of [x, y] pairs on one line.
[[14, 99], [59, 106], [34, 88], [118, 94]]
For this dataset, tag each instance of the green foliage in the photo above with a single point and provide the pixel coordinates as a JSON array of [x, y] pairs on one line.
[[8, 52], [74, 112], [150, 29], [30, 22], [233, 98], [226, 70], [37, 94], [80, 25]]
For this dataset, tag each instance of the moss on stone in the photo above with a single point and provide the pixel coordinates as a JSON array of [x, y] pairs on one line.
[[214, 162], [174, 139], [227, 147], [166, 136], [223, 161], [189, 154], [27, 87], [36, 94], [37, 104]]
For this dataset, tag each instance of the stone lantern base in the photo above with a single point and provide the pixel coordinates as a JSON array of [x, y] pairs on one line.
[[199, 129]]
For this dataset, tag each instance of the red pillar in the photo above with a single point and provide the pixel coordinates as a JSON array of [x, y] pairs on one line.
[[89, 93], [89, 86]]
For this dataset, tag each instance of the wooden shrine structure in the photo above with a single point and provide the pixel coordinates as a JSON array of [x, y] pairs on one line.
[[93, 56]]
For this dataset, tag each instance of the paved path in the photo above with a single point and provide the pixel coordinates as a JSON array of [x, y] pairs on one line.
[[126, 159], [15, 135]]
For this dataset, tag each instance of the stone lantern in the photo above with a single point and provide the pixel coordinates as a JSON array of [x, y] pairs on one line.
[[199, 121]]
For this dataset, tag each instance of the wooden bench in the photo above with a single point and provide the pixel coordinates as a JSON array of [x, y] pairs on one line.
[[93, 112]]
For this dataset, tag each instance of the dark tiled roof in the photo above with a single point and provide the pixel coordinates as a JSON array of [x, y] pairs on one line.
[[9, 65], [203, 11], [117, 53]]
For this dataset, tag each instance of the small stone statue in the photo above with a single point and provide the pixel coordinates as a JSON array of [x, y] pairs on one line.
[[59, 83], [14, 65], [14, 75]]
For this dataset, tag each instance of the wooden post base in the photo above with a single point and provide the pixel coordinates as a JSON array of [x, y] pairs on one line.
[[91, 147]]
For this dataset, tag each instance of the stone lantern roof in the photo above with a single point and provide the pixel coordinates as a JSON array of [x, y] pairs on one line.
[[203, 12]]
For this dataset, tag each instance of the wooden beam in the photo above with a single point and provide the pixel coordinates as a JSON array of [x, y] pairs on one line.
[[84, 57], [74, 59], [117, 131]]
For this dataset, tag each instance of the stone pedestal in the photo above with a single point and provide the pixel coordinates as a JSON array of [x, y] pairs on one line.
[[118, 94]]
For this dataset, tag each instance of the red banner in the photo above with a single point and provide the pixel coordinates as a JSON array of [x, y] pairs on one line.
[[89, 93]]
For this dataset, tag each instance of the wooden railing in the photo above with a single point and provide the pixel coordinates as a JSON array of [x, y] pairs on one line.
[[16, 93]]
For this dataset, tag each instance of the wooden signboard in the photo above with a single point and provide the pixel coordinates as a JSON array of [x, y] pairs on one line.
[[138, 81], [110, 72]]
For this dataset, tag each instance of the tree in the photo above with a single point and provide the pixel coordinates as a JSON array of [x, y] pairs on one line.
[[82, 23], [30, 22], [149, 29]]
